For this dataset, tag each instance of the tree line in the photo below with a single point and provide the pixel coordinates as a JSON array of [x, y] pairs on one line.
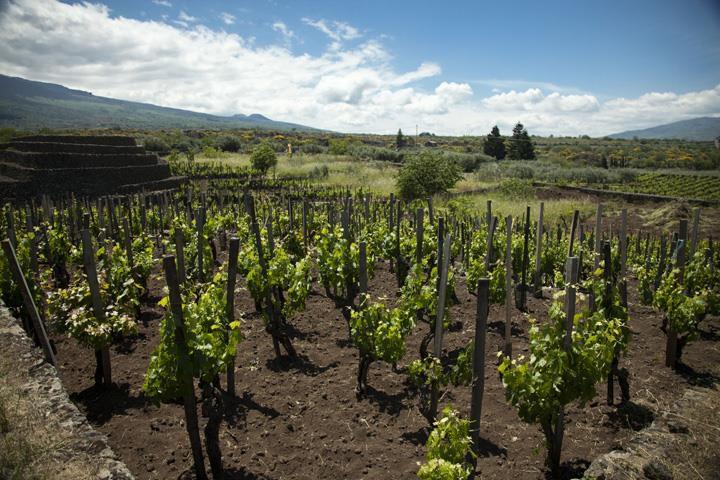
[[518, 147]]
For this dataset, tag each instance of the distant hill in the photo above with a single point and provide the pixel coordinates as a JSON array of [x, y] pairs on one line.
[[699, 129], [29, 105]]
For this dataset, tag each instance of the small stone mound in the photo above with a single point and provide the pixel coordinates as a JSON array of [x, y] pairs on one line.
[[678, 441], [85, 165]]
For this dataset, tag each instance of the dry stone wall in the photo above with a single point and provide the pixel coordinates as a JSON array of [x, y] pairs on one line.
[[43, 386], [84, 165]]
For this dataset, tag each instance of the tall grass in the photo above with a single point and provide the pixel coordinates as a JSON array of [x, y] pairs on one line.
[[558, 173], [379, 177]]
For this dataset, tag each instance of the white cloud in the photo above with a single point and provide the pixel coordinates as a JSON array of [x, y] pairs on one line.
[[350, 87], [227, 18], [337, 31], [184, 19], [162, 3], [287, 34], [534, 99], [500, 85], [425, 70]]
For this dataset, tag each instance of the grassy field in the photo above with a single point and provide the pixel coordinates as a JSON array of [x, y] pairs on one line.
[[379, 177], [325, 169]]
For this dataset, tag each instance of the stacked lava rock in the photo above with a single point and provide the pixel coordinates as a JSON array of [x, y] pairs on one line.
[[84, 165]]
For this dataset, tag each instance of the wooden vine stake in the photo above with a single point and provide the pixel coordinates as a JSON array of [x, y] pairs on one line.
[[419, 233], [478, 378], [437, 347], [128, 243], [537, 282], [200, 224], [180, 253], [525, 260], [391, 225], [440, 247], [230, 305], [623, 258], [571, 277], [363, 280], [507, 350], [103, 355], [596, 248], [10, 221], [672, 339], [189, 401], [573, 229], [28, 301], [662, 264], [695, 235], [489, 249]]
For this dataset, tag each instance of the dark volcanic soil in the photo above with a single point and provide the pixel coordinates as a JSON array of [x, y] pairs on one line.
[[302, 420]]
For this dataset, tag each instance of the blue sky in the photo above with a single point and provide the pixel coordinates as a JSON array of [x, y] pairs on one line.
[[562, 67], [611, 48]]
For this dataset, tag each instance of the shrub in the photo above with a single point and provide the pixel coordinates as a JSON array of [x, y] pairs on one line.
[[263, 158], [366, 152], [426, 174], [228, 143], [319, 171], [516, 188], [468, 162], [184, 145], [155, 144], [311, 148], [338, 147], [210, 152]]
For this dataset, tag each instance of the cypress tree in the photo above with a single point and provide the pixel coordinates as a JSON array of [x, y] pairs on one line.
[[521, 146], [494, 144], [400, 140]]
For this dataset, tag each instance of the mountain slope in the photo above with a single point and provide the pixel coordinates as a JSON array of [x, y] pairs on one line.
[[700, 129], [26, 104]]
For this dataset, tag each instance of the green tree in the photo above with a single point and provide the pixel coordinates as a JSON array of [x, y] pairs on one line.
[[263, 158], [426, 174], [521, 146], [338, 147], [400, 139], [494, 144], [228, 143]]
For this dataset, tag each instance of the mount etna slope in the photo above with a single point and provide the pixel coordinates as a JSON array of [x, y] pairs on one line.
[[699, 129], [27, 104]]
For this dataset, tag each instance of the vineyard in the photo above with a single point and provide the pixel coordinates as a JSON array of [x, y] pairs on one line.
[[253, 328], [704, 187]]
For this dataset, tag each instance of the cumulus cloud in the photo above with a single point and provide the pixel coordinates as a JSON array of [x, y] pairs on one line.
[[352, 86], [534, 99], [162, 3], [212, 70]]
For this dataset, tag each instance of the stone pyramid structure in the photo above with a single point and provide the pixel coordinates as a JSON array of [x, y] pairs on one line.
[[85, 165]]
